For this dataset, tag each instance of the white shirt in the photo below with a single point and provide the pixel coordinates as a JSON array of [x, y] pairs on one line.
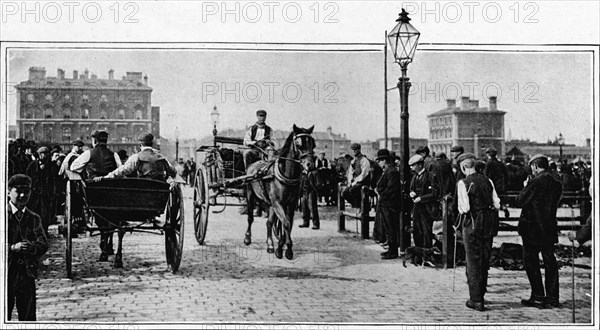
[[463, 197], [260, 134], [365, 167], [15, 209], [84, 158]]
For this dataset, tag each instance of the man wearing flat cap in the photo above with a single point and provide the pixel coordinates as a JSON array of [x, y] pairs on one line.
[[357, 175], [389, 191], [496, 170], [538, 228], [26, 243], [148, 163], [97, 161], [456, 151], [42, 186], [424, 191], [258, 138]]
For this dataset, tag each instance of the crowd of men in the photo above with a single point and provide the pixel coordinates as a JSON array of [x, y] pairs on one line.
[[36, 190]]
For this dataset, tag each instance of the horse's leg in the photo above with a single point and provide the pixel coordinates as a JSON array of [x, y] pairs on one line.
[[109, 245], [250, 204], [287, 229], [280, 212], [270, 223], [119, 255], [102, 227]]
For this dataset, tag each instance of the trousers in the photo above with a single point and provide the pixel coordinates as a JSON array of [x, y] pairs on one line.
[[532, 268], [422, 225], [21, 290], [478, 235]]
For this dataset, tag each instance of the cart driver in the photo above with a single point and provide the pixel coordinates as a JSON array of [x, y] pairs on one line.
[[258, 137], [148, 163]]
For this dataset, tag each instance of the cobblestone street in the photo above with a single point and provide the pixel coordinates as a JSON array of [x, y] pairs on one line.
[[333, 278]]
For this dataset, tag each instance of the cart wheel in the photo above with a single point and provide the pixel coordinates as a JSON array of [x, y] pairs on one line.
[[201, 205], [174, 224], [68, 238]]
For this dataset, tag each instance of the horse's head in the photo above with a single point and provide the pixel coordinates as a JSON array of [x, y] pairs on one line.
[[304, 143]]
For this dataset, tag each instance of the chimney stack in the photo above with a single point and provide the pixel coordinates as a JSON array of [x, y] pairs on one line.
[[493, 103], [37, 73], [94, 76], [75, 74], [451, 103], [111, 74], [329, 130], [464, 103], [474, 104], [588, 142], [86, 74], [60, 74], [146, 80]]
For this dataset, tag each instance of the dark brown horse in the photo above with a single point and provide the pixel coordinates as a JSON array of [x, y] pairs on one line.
[[280, 187]]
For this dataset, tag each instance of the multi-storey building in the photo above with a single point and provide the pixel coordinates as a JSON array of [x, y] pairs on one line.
[[475, 128], [57, 110]]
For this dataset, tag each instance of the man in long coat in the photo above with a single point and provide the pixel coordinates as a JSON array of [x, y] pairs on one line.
[[389, 191], [538, 229], [424, 191], [42, 188]]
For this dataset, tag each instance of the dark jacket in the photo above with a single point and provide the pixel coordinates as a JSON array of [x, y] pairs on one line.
[[496, 171], [389, 188], [426, 186], [153, 165], [539, 201], [446, 177], [28, 229]]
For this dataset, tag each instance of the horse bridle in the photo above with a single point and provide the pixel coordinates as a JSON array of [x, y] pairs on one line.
[[302, 155]]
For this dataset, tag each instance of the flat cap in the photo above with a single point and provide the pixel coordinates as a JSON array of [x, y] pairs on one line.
[[100, 134], [78, 143], [19, 181], [415, 159], [538, 156], [43, 150], [441, 155], [423, 150], [146, 137], [457, 149], [31, 144], [261, 113], [465, 156], [491, 150], [383, 154], [355, 146]]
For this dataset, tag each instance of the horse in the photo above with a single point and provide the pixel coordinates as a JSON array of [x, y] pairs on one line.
[[278, 186]]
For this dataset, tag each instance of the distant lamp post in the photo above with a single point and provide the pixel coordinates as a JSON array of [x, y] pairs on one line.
[[214, 116], [176, 144], [403, 40], [561, 142]]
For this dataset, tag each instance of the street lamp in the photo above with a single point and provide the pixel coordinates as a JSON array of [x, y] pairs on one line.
[[214, 115], [403, 41], [177, 144], [561, 142]]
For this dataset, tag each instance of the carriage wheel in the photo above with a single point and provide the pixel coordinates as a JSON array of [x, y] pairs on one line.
[[174, 224], [201, 205], [69, 229]]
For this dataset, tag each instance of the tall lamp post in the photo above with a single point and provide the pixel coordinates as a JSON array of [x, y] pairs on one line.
[[403, 41], [214, 116], [561, 142], [177, 144]]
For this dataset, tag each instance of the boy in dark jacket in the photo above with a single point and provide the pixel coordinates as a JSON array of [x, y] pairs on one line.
[[26, 243]]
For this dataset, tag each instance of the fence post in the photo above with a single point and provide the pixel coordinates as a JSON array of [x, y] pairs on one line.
[[341, 209], [365, 207]]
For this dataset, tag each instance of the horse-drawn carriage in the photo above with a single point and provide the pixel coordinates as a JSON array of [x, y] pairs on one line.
[[221, 176], [126, 205]]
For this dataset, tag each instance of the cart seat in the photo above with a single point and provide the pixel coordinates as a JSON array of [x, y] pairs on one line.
[[127, 199]]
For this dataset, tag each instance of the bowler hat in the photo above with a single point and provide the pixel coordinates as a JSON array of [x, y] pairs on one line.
[[261, 113], [43, 150], [536, 157], [78, 143], [415, 159], [19, 181], [355, 146], [102, 135], [383, 154], [423, 150], [465, 156], [146, 137], [457, 149]]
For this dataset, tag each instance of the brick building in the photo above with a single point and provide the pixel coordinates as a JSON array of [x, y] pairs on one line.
[[475, 128], [58, 110]]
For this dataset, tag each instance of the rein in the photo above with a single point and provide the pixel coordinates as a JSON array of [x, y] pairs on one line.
[[277, 172]]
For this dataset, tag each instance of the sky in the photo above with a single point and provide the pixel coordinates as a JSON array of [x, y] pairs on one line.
[[543, 93]]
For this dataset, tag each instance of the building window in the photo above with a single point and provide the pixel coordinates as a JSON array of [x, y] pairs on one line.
[[30, 98], [66, 112], [85, 131], [29, 111], [48, 130], [121, 113], [67, 98], [138, 114], [85, 98], [103, 98], [103, 114], [29, 132], [66, 133], [49, 97], [48, 113], [85, 113]]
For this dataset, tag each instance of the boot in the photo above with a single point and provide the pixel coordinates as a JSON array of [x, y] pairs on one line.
[[304, 224]]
